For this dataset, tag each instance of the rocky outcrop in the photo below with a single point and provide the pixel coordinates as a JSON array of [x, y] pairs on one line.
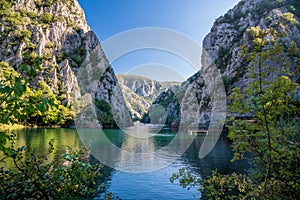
[[53, 38], [142, 86], [180, 101], [229, 35], [223, 49], [137, 105], [139, 92]]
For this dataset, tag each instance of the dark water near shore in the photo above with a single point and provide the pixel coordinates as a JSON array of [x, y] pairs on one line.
[[147, 185]]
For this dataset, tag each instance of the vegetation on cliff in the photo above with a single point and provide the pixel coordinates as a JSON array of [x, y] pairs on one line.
[[270, 141]]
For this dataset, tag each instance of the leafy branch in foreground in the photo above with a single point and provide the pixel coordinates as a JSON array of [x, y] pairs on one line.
[[30, 105], [271, 140], [36, 176], [216, 186]]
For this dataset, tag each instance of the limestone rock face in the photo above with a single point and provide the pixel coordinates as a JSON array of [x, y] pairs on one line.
[[183, 102], [142, 86], [55, 35], [222, 50], [229, 33], [139, 92]]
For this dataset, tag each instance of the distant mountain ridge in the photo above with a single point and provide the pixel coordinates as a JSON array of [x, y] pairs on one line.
[[139, 92]]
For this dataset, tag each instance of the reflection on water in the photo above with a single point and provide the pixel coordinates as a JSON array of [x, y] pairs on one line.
[[151, 185], [140, 146], [137, 151], [39, 140]]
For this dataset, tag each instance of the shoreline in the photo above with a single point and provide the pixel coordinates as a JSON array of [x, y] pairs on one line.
[[5, 127]]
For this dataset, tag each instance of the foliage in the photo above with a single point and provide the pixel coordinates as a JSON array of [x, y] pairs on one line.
[[23, 35], [38, 3], [217, 186], [271, 140], [104, 114], [13, 87], [22, 104], [289, 17], [49, 2], [36, 177], [61, 57], [46, 18], [78, 55], [145, 118], [32, 15], [49, 45]]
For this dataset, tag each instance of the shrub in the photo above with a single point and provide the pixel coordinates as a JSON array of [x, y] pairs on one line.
[[36, 177], [46, 18], [49, 45], [289, 17], [23, 35], [61, 57], [32, 15], [49, 2]]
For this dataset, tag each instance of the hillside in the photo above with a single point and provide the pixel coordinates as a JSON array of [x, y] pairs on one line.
[[139, 92], [52, 39], [224, 48]]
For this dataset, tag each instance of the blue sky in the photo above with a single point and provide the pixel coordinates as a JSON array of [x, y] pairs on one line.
[[193, 18]]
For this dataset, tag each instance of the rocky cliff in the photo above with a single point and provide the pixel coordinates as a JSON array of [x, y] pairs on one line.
[[142, 86], [53, 38], [224, 48], [139, 92], [230, 35], [179, 101]]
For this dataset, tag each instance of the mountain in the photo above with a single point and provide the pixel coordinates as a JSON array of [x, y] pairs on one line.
[[231, 33], [139, 92], [223, 48], [169, 84], [52, 38], [142, 86]]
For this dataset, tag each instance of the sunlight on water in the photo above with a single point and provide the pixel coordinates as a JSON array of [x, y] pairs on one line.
[[148, 185]]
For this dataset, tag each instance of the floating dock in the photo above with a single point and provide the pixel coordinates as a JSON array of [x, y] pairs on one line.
[[198, 132]]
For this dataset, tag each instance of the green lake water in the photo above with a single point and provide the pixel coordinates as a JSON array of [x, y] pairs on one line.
[[146, 185]]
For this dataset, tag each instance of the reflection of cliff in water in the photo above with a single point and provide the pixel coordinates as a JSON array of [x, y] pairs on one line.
[[219, 158], [137, 147]]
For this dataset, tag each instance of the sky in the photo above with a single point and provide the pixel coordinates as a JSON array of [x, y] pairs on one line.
[[190, 18]]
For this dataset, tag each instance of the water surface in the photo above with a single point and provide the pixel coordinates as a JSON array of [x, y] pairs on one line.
[[147, 185]]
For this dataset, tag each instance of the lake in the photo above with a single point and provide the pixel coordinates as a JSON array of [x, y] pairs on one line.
[[148, 184]]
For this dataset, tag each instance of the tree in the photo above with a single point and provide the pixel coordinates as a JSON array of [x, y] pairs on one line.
[[22, 103], [271, 140], [35, 176]]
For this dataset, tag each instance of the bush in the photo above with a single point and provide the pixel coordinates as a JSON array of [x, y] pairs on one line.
[[61, 57], [104, 114], [46, 18], [289, 17], [49, 2], [49, 45], [217, 186], [32, 15], [36, 177], [23, 35]]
